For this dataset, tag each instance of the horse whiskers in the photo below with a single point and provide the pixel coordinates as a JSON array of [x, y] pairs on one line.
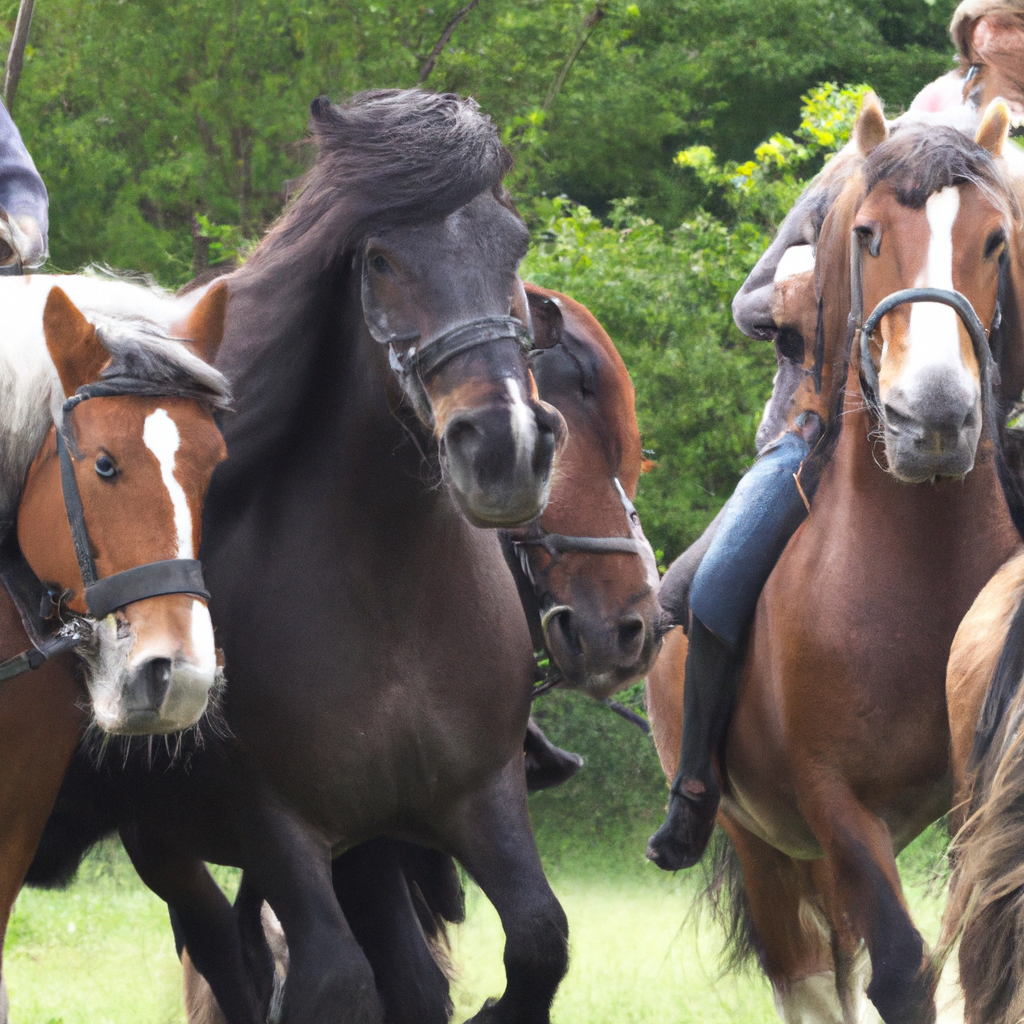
[[177, 747]]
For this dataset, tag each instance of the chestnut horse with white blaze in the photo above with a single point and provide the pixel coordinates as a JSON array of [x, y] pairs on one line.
[[837, 755], [132, 406]]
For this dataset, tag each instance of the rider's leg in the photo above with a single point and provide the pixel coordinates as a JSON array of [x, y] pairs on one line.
[[754, 527]]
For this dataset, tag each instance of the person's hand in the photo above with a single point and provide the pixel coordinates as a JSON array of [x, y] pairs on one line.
[[21, 241]]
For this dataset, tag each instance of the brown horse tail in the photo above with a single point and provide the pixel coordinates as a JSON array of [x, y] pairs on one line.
[[727, 898], [986, 904]]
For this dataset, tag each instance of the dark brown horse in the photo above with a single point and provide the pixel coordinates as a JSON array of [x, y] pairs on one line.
[[381, 667], [838, 750], [142, 504], [605, 594]]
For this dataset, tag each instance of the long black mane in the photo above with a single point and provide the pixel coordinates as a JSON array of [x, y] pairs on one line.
[[384, 157]]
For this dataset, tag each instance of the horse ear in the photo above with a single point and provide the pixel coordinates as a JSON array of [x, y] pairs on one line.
[[547, 320], [203, 328], [72, 342], [995, 127], [870, 129]]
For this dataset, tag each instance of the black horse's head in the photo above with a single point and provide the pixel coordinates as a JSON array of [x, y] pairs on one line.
[[444, 296], [406, 189]]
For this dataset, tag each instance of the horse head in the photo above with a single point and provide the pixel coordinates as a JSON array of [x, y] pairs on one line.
[[140, 453], [591, 567], [445, 298], [930, 217]]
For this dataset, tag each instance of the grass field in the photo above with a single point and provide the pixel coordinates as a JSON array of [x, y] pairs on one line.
[[101, 953]]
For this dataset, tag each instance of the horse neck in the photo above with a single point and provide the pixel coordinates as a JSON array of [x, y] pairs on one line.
[[309, 384], [953, 519]]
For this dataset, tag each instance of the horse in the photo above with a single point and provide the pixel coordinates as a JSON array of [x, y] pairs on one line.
[[601, 583], [108, 429], [387, 423], [838, 750]]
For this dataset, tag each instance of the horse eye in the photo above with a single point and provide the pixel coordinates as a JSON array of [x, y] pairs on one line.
[[870, 237], [105, 467], [380, 264], [995, 243]]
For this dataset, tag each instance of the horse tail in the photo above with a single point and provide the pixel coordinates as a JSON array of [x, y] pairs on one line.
[[437, 896], [986, 903], [726, 896]]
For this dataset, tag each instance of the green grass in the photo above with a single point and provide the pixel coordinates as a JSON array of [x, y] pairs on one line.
[[102, 953]]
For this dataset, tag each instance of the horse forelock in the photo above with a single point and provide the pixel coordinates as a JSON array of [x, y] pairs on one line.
[[917, 161], [386, 157], [144, 360]]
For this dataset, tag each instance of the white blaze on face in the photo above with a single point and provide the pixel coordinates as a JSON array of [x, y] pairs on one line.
[[524, 424], [160, 435], [934, 340]]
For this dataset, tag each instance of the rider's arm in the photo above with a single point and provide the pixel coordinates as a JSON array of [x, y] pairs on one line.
[[22, 195]]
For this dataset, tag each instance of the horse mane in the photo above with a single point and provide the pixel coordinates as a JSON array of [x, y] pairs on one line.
[[384, 157], [144, 360]]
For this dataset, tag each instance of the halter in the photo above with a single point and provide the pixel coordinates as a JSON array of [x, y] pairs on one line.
[[947, 297], [102, 596]]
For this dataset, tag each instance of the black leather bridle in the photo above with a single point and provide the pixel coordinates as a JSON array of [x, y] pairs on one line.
[[103, 596], [864, 329]]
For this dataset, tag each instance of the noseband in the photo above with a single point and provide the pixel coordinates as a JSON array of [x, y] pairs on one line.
[[102, 596], [557, 544], [862, 332], [416, 365]]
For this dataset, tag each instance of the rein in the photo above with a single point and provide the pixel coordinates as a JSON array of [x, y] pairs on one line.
[[103, 596]]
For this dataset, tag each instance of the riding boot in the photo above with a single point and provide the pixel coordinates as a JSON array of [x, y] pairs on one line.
[[712, 678], [546, 765]]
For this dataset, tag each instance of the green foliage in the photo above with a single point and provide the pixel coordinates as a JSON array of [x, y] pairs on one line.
[[142, 114]]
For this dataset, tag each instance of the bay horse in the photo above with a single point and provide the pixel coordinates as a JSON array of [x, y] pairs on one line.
[[380, 665], [602, 583], [127, 411], [837, 755]]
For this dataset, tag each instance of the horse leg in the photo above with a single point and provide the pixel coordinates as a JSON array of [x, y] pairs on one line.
[[203, 920], [490, 835], [40, 724], [860, 886], [330, 981], [782, 924], [374, 896]]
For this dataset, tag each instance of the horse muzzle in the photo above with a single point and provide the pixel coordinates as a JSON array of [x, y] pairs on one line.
[[499, 460], [146, 678], [933, 431]]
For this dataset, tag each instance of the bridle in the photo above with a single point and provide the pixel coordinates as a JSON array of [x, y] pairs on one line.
[[103, 595], [556, 545], [415, 365], [863, 330]]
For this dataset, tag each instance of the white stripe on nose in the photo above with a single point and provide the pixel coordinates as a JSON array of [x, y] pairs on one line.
[[161, 437], [934, 329], [524, 425]]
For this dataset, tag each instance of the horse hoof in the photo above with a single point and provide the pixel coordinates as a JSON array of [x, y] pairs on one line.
[[681, 841]]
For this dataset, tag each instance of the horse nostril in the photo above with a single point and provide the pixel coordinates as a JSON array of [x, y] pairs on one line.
[[461, 432], [631, 633], [156, 679]]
